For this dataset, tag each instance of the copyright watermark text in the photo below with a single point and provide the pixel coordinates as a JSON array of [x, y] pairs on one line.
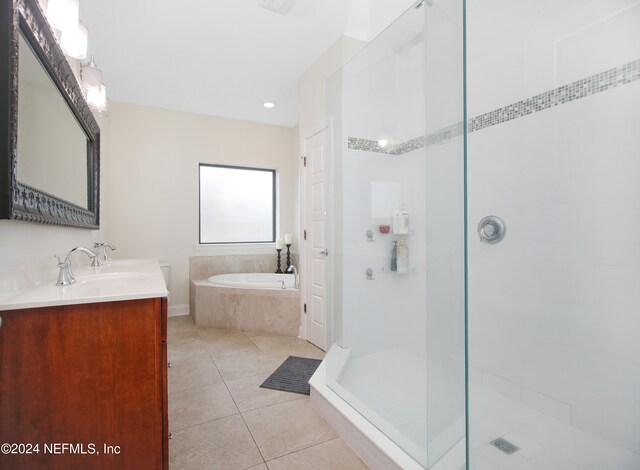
[[59, 448]]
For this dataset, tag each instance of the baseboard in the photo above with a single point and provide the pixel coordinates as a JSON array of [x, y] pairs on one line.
[[178, 310]]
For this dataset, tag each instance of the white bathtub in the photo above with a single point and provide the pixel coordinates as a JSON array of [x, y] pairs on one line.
[[269, 281]]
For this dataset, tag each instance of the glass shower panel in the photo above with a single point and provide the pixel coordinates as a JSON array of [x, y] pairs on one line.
[[554, 151], [396, 314]]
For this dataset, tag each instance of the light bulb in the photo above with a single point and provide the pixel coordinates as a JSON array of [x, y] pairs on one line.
[[382, 143], [74, 41], [63, 14], [97, 98]]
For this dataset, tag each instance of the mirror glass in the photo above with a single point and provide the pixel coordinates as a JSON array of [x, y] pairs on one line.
[[51, 145]]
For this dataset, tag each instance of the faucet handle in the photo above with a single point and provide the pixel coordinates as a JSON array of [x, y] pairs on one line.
[[101, 253], [65, 275]]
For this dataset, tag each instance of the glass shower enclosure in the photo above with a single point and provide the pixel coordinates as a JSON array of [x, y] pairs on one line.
[[484, 205], [396, 309]]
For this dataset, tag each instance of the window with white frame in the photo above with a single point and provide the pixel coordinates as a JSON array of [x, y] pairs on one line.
[[237, 204]]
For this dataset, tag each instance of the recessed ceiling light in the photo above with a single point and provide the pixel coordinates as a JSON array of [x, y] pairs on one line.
[[281, 7], [269, 104]]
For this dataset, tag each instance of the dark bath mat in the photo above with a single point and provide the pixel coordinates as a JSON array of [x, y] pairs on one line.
[[293, 375]]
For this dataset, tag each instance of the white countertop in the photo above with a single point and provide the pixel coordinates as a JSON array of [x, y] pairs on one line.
[[115, 280]]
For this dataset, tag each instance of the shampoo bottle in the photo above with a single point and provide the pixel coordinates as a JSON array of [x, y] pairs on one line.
[[403, 258], [394, 256], [401, 221]]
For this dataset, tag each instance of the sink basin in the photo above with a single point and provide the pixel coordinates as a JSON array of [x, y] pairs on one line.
[[126, 263], [110, 280]]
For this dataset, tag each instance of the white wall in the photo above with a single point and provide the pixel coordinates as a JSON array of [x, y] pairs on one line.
[[152, 181], [311, 85], [554, 307], [27, 249]]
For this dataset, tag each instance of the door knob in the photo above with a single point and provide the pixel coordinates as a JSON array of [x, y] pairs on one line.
[[324, 252]]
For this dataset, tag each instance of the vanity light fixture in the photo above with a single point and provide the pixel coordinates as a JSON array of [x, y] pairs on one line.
[[63, 14], [94, 90], [91, 75], [74, 40], [97, 99], [269, 104]]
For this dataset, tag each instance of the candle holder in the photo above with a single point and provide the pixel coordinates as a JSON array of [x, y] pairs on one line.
[[288, 258], [279, 270]]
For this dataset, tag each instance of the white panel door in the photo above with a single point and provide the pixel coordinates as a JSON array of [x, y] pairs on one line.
[[315, 245]]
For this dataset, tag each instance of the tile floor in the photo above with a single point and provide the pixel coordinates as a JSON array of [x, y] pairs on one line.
[[220, 418]]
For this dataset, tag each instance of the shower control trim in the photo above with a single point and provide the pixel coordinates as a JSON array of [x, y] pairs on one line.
[[491, 229]]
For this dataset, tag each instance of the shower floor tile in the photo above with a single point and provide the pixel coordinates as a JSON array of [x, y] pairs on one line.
[[401, 412], [545, 443]]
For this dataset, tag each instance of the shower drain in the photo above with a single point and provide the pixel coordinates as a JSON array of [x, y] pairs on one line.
[[504, 445]]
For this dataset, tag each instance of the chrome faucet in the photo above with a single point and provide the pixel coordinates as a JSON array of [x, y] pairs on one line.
[[65, 276], [101, 253], [292, 269]]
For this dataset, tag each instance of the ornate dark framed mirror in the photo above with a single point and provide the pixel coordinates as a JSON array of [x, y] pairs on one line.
[[49, 139]]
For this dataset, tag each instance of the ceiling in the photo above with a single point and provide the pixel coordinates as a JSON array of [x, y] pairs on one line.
[[222, 57]]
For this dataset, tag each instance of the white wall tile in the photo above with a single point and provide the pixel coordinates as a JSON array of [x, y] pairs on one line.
[[553, 307]]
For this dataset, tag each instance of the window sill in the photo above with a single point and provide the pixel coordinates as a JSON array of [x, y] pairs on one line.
[[236, 248]]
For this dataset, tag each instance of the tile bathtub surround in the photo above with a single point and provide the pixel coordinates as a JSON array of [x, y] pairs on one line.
[[597, 83], [256, 310], [221, 419]]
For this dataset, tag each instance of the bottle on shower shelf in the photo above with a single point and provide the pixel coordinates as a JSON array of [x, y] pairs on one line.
[[401, 221], [394, 256], [402, 258]]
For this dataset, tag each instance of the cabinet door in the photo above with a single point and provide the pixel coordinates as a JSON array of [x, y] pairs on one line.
[[78, 378]]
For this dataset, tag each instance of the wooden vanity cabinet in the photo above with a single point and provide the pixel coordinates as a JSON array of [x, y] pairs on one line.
[[77, 378]]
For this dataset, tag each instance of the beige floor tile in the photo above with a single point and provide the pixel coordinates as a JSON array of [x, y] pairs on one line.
[[223, 444], [281, 347], [331, 455], [179, 321], [182, 335], [287, 427], [227, 342], [248, 395], [272, 342], [262, 466], [246, 365], [303, 349], [199, 405], [193, 373], [187, 351]]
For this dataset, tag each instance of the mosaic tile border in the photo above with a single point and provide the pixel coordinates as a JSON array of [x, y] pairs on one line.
[[603, 81], [597, 83]]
